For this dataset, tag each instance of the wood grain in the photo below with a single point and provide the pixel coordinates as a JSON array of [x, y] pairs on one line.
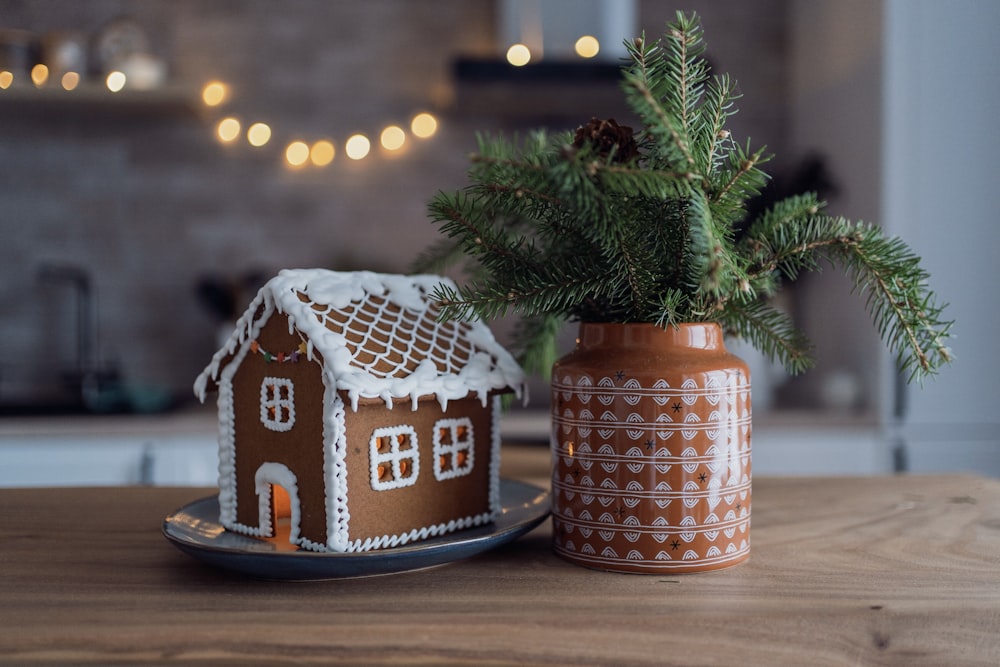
[[870, 571]]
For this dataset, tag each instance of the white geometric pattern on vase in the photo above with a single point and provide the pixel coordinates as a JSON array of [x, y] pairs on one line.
[[677, 495]]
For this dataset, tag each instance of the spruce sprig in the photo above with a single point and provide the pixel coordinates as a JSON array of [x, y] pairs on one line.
[[605, 225]]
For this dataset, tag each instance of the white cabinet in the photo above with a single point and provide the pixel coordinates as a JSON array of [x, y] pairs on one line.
[[109, 451]]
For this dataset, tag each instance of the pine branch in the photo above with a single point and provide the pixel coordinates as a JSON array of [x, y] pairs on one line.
[[769, 331], [718, 107], [607, 225], [904, 310]]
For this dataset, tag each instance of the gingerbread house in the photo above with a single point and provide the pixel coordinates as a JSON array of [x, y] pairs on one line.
[[347, 410]]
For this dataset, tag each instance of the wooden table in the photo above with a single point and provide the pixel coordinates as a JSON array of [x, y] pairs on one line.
[[885, 570]]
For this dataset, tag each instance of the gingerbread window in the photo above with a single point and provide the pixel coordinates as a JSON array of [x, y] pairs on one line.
[[453, 448], [277, 403], [393, 457]]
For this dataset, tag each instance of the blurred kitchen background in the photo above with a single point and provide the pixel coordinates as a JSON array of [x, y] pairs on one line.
[[139, 213]]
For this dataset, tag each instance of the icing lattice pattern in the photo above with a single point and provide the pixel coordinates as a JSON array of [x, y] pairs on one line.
[[377, 336], [388, 341]]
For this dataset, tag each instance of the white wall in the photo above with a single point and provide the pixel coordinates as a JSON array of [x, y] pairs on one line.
[[941, 144]]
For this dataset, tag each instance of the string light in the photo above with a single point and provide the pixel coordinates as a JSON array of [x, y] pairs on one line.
[[228, 129], [259, 134], [300, 153], [70, 80], [6, 78], [115, 81], [296, 153], [214, 93], [518, 55], [392, 138], [357, 147], [39, 75], [587, 46], [321, 153], [423, 125]]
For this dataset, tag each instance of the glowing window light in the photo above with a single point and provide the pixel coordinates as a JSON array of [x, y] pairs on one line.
[[115, 81], [518, 55], [228, 129], [70, 80], [259, 134], [357, 146], [587, 46], [296, 153], [423, 125], [6, 78], [39, 74], [214, 93], [321, 153], [392, 138]]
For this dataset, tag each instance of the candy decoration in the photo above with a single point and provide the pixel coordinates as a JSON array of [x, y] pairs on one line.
[[280, 357]]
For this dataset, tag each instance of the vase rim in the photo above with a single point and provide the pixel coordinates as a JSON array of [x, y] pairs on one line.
[[697, 335]]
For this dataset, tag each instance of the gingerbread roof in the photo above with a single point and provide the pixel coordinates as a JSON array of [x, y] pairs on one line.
[[377, 336]]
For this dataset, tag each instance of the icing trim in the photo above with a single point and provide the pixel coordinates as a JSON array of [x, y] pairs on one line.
[[452, 450], [391, 466], [496, 507], [277, 413], [276, 473], [386, 541], [338, 514], [488, 368]]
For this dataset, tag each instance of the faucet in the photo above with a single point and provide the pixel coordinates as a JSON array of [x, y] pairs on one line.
[[80, 281], [93, 385]]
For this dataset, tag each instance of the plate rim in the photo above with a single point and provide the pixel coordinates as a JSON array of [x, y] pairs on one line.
[[429, 553]]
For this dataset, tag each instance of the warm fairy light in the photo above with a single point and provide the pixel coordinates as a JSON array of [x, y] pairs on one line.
[[6, 78], [392, 138], [115, 81], [228, 129], [587, 46], [259, 134], [357, 146], [423, 125], [518, 55], [296, 153], [321, 153], [214, 93], [70, 80], [39, 74]]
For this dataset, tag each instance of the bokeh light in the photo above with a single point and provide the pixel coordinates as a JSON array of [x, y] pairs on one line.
[[423, 125], [357, 146], [518, 55]]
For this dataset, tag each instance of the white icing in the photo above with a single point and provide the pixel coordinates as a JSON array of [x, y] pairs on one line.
[[496, 506], [420, 533], [276, 473], [450, 450], [277, 394], [490, 367], [395, 457]]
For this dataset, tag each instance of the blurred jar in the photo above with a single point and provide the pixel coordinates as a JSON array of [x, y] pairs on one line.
[[18, 52], [64, 51]]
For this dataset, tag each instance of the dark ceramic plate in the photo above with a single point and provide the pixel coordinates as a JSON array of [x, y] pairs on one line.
[[195, 530]]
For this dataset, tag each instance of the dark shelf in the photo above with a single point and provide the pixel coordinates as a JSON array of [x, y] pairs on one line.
[[475, 70], [563, 94], [92, 99]]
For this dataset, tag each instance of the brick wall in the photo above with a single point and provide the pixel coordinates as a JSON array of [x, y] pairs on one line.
[[146, 202]]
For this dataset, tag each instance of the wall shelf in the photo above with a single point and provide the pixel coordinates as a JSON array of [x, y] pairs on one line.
[[92, 99], [558, 92]]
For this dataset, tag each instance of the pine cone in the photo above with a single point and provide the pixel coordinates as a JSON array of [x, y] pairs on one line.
[[605, 135]]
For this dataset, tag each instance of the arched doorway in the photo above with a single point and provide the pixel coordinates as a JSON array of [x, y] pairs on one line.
[[278, 503]]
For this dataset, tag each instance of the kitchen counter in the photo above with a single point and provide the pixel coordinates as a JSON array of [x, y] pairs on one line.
[[847, 570]]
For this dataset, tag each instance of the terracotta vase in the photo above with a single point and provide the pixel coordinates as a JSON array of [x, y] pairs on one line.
[[651, 450]]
